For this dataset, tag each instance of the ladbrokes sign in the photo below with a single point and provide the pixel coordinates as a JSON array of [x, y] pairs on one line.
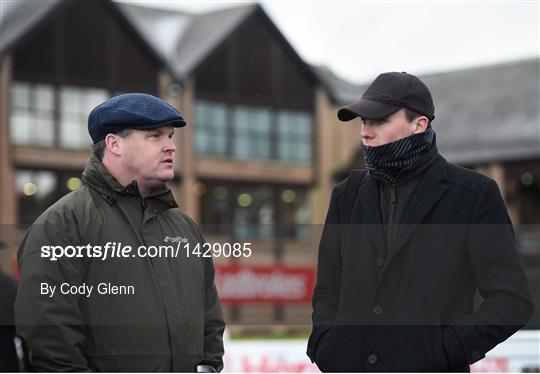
[[265, 283]]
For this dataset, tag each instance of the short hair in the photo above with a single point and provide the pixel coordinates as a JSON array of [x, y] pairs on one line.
[[98, 149], [411, 115]]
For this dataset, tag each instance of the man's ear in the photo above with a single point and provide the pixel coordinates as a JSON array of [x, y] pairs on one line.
[[421, 124], [112, 142]]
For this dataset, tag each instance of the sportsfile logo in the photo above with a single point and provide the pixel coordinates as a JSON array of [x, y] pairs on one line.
[[175, 239]]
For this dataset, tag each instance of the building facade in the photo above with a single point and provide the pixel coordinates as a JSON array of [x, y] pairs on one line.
[[262, 148], [248, 165]]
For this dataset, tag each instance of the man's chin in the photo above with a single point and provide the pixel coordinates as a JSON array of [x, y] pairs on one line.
[[167, 178], [162, 179]]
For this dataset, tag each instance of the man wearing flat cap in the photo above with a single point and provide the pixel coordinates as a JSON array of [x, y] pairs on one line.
[[406, 244], [100, 303]]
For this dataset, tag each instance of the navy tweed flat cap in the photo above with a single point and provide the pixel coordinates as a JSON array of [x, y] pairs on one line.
[[133, 111]]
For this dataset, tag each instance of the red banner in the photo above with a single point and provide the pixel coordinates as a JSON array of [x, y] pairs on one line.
[[250, 283]]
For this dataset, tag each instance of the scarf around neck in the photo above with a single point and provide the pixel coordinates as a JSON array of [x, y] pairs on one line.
[[388, 160]]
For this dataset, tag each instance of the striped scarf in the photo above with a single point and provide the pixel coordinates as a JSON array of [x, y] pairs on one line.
[[388, 160]]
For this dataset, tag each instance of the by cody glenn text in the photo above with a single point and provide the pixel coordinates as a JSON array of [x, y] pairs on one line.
[[85, 289]]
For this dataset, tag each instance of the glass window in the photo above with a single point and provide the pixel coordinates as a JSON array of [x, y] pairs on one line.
[[36, 191], [294, 213], [75, 105], [32, 114], [210, 128], [251, 133], [294, 136], [39, 189], [255, 210], [20, 95], [44, 98], [238, 210], [216, 212]]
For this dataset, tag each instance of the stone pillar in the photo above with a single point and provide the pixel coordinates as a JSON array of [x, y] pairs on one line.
[[323, 162], [181, 97], [497, 172], [8, 194], [8, 201], [189, 202]]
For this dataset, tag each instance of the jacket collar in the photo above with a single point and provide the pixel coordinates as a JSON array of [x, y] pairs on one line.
[[97, 177], [427, 194], [429, 191]]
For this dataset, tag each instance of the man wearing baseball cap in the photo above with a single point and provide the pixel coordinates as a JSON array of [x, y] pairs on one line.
[[406, 244], [103, 303]]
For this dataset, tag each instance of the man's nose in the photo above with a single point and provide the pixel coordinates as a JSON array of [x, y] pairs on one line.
[[170, 146], [366, 131]]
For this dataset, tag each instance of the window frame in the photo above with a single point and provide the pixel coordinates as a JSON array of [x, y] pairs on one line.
[[56, 111], [273, 137]]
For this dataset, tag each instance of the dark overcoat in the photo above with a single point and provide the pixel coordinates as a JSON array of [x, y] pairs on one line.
[[412, 309]]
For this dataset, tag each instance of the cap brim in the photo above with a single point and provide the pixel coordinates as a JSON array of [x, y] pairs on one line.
[[118, 127], [174, 123], [366, 109]]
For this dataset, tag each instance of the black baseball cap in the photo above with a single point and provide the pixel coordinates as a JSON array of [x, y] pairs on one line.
[[132, 110], [388, 93]]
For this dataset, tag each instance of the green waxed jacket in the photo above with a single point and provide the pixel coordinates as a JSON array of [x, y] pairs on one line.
[[167, 316]]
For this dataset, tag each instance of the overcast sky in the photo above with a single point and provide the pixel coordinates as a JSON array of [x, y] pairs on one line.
[[359, 39]]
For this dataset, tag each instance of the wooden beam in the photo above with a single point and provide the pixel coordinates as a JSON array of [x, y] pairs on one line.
[[49, 158], [252, 170]]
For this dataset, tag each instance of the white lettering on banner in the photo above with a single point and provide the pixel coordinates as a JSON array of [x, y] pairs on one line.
[[490, 365], [267, 356], [517, 354], [247, 284]]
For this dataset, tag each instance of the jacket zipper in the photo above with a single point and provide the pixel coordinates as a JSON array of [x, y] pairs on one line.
[[393, 199], [143, 203]]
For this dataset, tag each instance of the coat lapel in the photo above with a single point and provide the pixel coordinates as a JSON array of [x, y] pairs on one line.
[[429, 191], [367, 213]]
